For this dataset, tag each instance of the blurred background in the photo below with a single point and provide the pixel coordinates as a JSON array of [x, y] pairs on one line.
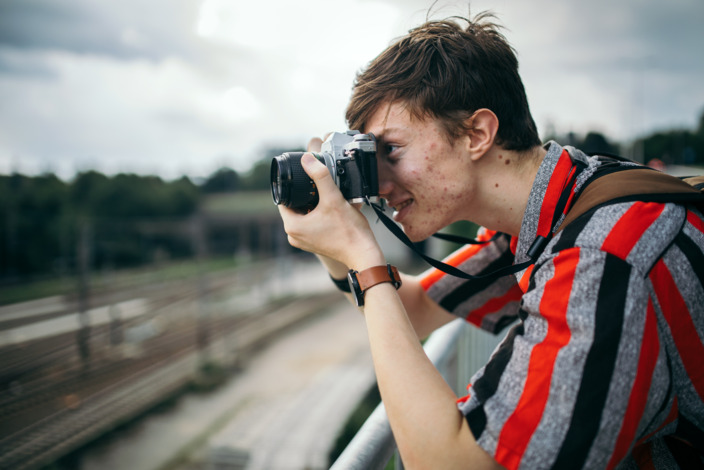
[[141, 257]]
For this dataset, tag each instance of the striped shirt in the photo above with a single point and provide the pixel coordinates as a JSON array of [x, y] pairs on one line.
[[605, 367]]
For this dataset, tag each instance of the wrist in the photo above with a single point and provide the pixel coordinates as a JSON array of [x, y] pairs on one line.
[[361, 281], [336, 269], [367, 259]]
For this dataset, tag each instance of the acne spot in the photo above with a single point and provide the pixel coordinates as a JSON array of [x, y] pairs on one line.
[[508, 161], [500, 156]]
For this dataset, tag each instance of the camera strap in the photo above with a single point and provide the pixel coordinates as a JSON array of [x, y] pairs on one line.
[[444, 267]]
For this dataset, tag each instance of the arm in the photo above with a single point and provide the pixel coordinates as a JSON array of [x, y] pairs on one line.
[[414, 392], [425, 315]]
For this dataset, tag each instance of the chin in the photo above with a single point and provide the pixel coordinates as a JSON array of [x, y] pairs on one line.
[[417, 236]]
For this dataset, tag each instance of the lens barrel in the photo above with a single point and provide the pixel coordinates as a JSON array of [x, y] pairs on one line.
[[290, 184]]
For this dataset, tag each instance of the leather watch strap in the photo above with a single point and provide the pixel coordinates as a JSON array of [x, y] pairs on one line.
[[376, 275], [361, 281]]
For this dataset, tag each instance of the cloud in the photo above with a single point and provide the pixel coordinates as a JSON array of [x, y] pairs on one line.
[[186, 86], [123, 30]]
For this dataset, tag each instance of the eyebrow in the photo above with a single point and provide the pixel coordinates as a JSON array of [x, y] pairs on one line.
[[385, 132]]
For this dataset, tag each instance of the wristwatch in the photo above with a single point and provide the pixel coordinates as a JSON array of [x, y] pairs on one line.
[[360, 281]]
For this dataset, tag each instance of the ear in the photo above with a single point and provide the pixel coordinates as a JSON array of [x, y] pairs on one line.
[[482, 128]]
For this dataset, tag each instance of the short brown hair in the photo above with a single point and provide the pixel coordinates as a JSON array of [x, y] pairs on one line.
[[443, 70]]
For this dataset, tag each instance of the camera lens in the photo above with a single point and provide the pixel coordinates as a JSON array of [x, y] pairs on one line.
[[290, 184]]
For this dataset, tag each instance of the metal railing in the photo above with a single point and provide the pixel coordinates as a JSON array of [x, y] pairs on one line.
[[457, 350]]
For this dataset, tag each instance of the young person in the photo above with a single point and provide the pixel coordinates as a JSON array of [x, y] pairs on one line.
[[602, 368]]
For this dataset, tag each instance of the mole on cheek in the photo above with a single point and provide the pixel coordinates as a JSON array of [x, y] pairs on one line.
[[500, 156], [508, 161], [496, 185]]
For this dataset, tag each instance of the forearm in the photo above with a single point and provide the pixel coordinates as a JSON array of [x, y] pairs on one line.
[[425, 315], [414, 392]]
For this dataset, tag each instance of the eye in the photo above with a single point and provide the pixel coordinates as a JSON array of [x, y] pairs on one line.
[[390, 151]]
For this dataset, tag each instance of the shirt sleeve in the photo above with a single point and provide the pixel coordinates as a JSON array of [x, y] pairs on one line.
[[488, 304]]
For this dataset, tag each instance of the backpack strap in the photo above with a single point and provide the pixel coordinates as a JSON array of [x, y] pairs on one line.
[[695, 181], [636, 184]]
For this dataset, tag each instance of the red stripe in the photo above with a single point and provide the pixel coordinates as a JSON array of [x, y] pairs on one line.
[[643, 455], [695, 221], [524, 283], [553, 192], [683, 329], [630, 228], [519, 427], [494, 305], [649, 351], [568, 206]]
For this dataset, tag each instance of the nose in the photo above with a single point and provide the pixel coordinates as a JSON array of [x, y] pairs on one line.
[[386, 184]]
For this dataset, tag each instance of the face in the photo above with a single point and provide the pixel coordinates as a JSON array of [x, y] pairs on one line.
[[422, 176]]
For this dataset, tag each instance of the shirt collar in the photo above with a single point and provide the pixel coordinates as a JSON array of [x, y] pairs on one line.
[[549, 184]]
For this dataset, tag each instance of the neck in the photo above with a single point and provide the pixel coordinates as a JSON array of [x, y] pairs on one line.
[[504, 187]]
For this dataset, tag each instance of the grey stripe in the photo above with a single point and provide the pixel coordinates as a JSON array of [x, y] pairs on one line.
[[656, 238]]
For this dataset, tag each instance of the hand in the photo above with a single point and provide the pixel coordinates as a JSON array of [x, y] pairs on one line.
[[333, 229]]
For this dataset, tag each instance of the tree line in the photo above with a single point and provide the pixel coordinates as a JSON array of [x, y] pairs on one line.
[[42, 218]]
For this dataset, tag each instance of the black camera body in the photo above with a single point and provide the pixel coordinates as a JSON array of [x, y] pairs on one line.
[[350, 157]]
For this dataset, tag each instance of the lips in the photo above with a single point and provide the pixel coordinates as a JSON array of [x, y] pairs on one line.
[[401, 209]]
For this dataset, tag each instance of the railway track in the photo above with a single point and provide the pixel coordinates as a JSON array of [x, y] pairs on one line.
[[63, 388]]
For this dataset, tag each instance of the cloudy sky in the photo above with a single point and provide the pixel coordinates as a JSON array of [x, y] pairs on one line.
[[174, 87]]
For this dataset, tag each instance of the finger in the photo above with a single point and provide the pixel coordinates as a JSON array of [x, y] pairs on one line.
[[314, 144], [320, 175]]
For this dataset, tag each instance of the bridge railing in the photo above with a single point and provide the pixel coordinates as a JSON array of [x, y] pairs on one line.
[[457, 350]]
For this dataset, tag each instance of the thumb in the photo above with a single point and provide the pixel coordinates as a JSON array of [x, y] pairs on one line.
[[319, 173]]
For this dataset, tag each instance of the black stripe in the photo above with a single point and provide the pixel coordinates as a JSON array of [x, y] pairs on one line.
[[485, 386], [599, 365], [693, 253], [568, 236], [690, 433], [504, 321], [685, 455], [469, 288], [477, 421], [562, 201]]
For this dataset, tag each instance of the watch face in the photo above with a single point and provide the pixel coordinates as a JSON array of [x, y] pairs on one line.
[[355, 288]]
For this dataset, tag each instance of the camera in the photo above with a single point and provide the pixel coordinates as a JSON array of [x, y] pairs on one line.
[[350, 157]]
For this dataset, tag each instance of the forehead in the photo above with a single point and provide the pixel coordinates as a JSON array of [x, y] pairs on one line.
[[392, 120], [389, 118]]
